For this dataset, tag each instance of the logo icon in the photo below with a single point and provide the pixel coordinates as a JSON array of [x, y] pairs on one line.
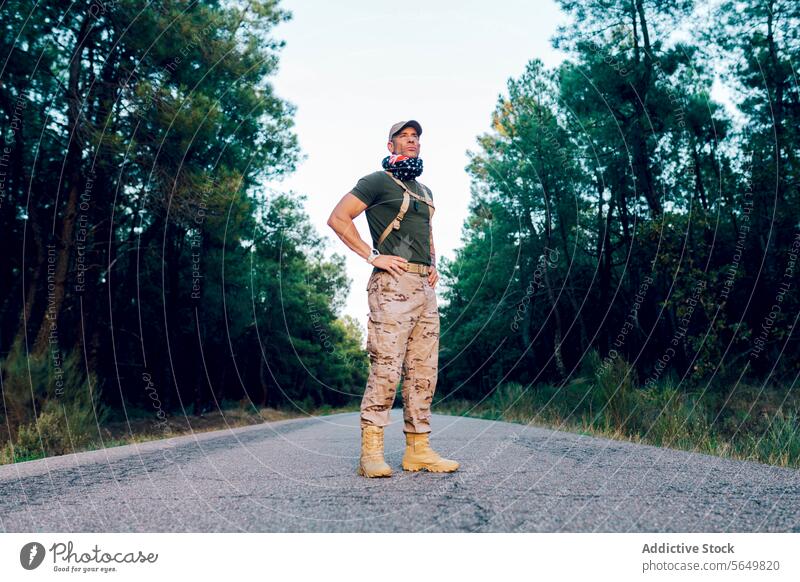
[[31, 555]]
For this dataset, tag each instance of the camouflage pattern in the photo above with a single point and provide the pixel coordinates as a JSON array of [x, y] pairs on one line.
[[402, 341]]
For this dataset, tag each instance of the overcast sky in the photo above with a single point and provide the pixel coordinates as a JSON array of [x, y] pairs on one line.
[[355, 67]]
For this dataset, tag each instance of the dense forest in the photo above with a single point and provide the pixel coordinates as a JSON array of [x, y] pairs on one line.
[[627, 232], [144, 264], [619, 212]]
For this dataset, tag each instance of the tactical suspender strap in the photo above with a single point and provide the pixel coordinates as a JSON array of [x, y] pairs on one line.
[[407, 194], [395, 224]]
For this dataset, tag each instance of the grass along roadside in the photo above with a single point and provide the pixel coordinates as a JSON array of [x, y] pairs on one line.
[[735, 420], [750, 425], [36, 442]]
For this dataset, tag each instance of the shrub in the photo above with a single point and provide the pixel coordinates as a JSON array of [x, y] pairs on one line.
[[67, 402], [512, 401], [671, 418]]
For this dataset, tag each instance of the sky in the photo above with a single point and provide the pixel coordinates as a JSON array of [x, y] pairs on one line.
[[352, 68]]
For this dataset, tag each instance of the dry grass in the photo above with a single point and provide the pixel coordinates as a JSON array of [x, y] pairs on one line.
[[139, 430]]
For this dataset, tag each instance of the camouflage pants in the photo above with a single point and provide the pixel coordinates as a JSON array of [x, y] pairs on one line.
[[402, 339]]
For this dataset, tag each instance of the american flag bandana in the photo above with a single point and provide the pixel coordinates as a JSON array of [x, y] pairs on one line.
[[402, 167]]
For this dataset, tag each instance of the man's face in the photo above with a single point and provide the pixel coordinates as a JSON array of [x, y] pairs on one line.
[[405, 142]]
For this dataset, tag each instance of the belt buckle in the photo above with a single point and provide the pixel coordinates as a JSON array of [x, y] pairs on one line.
[[417, 268]]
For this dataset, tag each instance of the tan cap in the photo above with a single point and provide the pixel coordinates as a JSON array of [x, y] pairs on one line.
[[402, 124]]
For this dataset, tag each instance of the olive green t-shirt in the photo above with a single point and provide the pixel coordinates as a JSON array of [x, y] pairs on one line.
[[383, 197]]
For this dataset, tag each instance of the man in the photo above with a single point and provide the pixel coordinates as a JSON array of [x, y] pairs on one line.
[[403, 325]]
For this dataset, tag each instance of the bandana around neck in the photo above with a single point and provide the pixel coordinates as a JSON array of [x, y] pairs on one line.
[[402, 167]]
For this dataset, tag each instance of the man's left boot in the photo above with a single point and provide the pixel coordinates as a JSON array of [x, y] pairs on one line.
[[419, 455]]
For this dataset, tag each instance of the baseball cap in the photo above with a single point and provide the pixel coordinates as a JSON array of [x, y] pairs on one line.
[[402, 124]]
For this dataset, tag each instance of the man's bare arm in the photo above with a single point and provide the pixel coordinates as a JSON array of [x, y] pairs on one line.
[[341, 221]]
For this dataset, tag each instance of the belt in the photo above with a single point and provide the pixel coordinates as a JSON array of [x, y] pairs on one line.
[[418, 268]]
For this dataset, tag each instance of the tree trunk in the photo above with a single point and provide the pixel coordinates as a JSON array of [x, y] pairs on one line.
[[33, 285], [641, 150], [73, 164]]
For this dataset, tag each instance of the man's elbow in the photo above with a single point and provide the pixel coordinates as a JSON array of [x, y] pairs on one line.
[[335, 222]]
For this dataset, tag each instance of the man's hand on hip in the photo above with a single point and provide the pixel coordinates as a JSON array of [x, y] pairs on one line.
[[392, 263], [433, 276]]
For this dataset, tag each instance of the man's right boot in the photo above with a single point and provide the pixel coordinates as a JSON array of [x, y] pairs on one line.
[[371, 463]]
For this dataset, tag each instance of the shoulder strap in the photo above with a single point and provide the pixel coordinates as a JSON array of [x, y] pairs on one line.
[[426, 199], [407, 194], [395, 224]]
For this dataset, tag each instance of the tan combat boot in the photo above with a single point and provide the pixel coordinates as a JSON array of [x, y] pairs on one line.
[[419, 455], [371, 463]]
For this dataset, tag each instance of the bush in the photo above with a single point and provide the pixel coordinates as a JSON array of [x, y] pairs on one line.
[[45, 436], [512, 401], [672, 419], [68, 406], [26, 382]]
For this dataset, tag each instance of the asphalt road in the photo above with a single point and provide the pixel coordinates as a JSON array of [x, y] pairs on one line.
[[299, 475]]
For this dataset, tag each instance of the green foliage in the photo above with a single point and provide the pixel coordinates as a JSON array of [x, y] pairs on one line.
[[605, 193], [511, 401], [664, 218], [613, 393], [54, 410], [670, 418], [780, 444], [179, 277], [675, 223]]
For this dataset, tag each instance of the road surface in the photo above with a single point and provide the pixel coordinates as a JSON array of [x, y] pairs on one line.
[[300, 475]]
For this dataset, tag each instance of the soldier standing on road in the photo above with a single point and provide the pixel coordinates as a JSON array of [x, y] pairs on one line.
[[403, 325]]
